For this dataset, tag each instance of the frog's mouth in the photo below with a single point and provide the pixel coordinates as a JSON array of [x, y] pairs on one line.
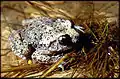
[[54, 53]]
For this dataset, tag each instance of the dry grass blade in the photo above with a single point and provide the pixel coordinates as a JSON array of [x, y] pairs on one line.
[[20, 68], [22, 74], [66, 13], [6, 53], [36, 7], [105, 31], [41, 5], [54, 2], [11, 8], [75, 70], [9, 74], [47, 9], [91, 31], [35, 74]]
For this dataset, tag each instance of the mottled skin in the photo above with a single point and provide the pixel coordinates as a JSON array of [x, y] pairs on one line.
[[45, 40]]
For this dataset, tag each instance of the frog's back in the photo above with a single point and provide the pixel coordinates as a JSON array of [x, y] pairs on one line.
[[43, 30]]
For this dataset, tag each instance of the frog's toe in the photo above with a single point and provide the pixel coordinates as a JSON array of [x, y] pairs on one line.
[[29, 62], [61, 66]]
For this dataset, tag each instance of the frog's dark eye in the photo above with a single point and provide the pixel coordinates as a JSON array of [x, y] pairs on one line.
[[65, 39]]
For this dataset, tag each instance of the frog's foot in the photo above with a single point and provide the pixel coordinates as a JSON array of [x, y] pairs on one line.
[[42, 56], [61, 66]]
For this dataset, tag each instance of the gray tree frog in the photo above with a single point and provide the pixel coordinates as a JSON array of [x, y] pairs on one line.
[[44, 39]]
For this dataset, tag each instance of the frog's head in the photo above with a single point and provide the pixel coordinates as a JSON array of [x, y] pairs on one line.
[[67, 38]]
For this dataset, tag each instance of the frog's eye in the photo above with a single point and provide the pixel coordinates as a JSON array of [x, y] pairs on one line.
[[65, 39]]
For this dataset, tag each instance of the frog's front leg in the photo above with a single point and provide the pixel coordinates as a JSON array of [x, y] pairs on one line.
[[44, 56], [40, 56]]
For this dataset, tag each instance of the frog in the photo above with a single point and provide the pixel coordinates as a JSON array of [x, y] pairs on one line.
[[45, 39]]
